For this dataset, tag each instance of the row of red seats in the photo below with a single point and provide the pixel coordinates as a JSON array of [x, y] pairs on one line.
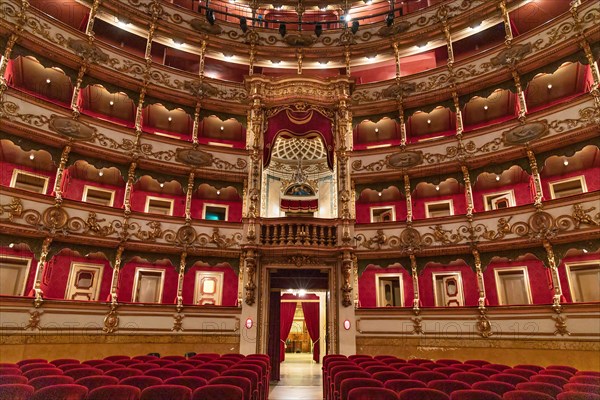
[[362, 377], [203, 376]]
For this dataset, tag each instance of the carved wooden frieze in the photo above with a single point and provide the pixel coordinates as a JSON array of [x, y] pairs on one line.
[[300, 40], [402, 89], [71, 128], [88, 51], [404, 159], [511, 55], [395, 29], [196, 158], [202, 25]]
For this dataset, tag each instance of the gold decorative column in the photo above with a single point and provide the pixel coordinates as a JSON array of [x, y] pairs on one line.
[[520, 93], [129, 187], [196, 125], [39, 273], [346, 269], [479, 273], [468, 190], [508, 35], [300, 57], [415, 280], [188, 197], [64, 157], [250, 286], [537, 182], [408, 196], [114, 286], [557, 295], [180, 276]]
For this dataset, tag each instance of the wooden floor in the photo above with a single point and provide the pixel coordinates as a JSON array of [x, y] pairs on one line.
[[301, 379]]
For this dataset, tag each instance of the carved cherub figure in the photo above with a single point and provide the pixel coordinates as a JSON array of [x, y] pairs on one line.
[[581, 216]]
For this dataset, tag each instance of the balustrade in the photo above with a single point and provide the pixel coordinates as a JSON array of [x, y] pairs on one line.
[[285, 232]]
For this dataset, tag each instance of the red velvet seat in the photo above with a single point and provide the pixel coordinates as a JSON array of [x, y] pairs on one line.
[[372, 393], [534, 368], [566, 368], [578, 396], [192, 382], [93, 363], [586, 379], [15, 391], [465, 367], [368, 363], [422, 394], [43, 381], [180, 367], [115, 392], [448, 361], [163, 373], [484, 371], [122, 373], [587, 373], [557, 372], [239, 381], [144, 358], [348, 384], [83, 372], [427, 376], [478, 363], [547, 388], [218, 391], [412, 369], [448, 385], [9, 365], [31, 361], [493, 386], [34, 373], [204, 357], [359, 357], [431, 365], [193, 363], [10, 371], [581, 387], [67, 367], [12, 379], [227, 363], [127, 362], [418, 361], [116, 358], [474, 394], [390, 361], [383, 357], [173, 358], [32, 366], [167, 392], [252, 376], [61, 392], [108, 367], [233, 356], [448, 370], [214, 356], [160, 362], [143, 366], [339, 377], [93, 382], [526, 395], [468, 377], [388, 375], [525, 373], [213, 367], [398, 385], [202, 373], [141, 382], [63, 361], [379, 368], [553, 380], [498, 367], [508, 378]]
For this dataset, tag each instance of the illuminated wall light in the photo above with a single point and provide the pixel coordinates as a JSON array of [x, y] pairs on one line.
[[565, 163], [347, 324], [31, 157], [379, 194], [11, 245], [101, 173], [376, 130], [549, 86], [222, 128], [48, 81], [249, 323], [497, 178], [323, 62], [178, 44], [584, 250], [218, 192], [428, 122], [111, 103], [301, 292], [485, 107], [170, 119], [162, 185], [437, 187]]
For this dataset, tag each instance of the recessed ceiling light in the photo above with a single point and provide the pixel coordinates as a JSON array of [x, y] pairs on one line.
[[376, 130], [379, 194], [218, 192], [48, 81], [566, 162], [31, 156], [101, 173], [222, 128], [497, 178], [437, 187], [111, 103], [549, 86], [485, 107], [428, 121], [162, 185], [170, 119]]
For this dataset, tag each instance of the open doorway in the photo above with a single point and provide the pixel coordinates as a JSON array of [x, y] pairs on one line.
[[298, 317]]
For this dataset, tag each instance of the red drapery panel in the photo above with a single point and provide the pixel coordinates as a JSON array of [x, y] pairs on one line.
[[311, 316], [286, 319], [300, 205], [300, 124]]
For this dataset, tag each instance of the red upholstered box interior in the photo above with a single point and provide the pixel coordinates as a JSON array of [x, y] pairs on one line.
[[73, 188], [363, 210], [6, 172], [234, 212], [138, 201], [426, 283], [458, 202], [522, 193], [25, 254], [562, 271], [592, 180], [367, 291], [127, 276], [230, 283], [94, 101], [155, 119]]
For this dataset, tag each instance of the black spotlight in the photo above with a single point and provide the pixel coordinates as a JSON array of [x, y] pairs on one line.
[[210, 16], [389, 19], [318, 29], [282, 29], [354, 27], [243, 24]]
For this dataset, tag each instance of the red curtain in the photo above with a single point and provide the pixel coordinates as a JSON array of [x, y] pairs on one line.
[[311, 316], [286, 319]]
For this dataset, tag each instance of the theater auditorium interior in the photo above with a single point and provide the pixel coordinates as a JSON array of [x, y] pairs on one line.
[[299, 200]]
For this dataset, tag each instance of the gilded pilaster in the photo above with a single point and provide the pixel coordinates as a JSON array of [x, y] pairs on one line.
[[39, 272], [299, 57], [537, 182], [250, 269], [479, 273], [415, 281], [468, 190], [557, 289], [10, 43], [64, 157], [188, 197], [346, 269], [408, 197], [196, 126], [180, 276], [129, 187], [520, 93], [89, 29], [114, 286], [508, 35]]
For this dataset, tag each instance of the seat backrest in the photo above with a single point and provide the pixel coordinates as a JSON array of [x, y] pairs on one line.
[[567, 368], [15, 391], [577, 396], [379, 368], [10, 371], [32, 366], [144, 358], [387, 375], [474, 394], [398, 385], [49, 380], [93, 382], [581, 387], [479, 363], [93, 363], [525, 373], [552, 379], [448, 361], [410, 369], [127, 362], [83, 372], [341, 376], [143, 366], [163, 373], [31, 361], [179, 367], [587, 373], [63, 361], [239, 381], [167, 392], [493, 386], [526, 395], [372, 393], [531, 367], [116, 358], [556, 372], [141, 382], [427, 376], [213, 367], [419, 361], [448, 370], [468, 377], [34, 373], [348, 384], [422, 394], [173, 358], [498, 367], [202, 373], [67, 367], [160, 362], [61, 392], [192, 382], [218, 391], [547, 388], [123, 373], [508, 378], [484, 371], [448, 385], [11, 379], [115, 392], [586, 379]]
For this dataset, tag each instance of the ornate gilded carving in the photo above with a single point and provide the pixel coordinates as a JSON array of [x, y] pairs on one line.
[[88, 51], [201, 89], [250, 286], [203, 26], [111, 320], [417, 324], [14, 209], [300, 261], [71, 128], [300, 40], [396, 29], [178, 322], [222, 241], [375, 242], [35, 317], [151, 235], [346, 289], [512, 55], [92, 225], [525, 133], [186, 235], [484, 327], [581, 216], [194, 157], [398, 90]]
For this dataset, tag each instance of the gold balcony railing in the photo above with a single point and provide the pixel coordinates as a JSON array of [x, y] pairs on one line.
[[298, 232]]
